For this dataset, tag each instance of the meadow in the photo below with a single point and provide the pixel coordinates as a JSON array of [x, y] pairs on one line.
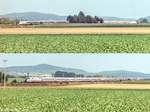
[[73, 100], [75, 43]]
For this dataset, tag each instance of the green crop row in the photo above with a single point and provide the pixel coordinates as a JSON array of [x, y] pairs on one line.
[[74, 100], [75, 43]]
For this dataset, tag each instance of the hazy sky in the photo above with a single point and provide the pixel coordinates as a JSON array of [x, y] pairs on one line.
[[88, 62], [119, 8]]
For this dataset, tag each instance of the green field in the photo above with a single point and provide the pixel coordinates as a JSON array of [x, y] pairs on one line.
[[74, 100], [75, 43]]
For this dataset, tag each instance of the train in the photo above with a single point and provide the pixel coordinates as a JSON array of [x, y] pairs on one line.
[[41, 79]]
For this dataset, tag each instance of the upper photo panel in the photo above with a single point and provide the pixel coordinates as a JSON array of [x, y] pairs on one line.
[[74, 26]]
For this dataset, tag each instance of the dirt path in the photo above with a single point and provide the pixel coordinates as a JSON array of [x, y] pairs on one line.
[[133, 30]]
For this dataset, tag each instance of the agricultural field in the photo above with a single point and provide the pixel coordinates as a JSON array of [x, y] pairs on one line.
[[77, 30], [135, 85], [75, 43], [73, 100]]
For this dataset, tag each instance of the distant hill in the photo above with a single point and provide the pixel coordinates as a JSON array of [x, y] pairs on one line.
[[41, 69], [33, 16], [49, 69], [122, 73]]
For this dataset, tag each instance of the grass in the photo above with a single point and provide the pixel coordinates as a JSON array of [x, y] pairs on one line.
[[75, 43], [74, 100]]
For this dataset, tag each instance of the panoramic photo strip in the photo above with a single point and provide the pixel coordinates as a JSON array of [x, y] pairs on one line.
[[74, 82], [100, 26], [74, 56]]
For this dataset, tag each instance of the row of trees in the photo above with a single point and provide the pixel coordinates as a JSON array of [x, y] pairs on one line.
[[66, 74], [82, 18]]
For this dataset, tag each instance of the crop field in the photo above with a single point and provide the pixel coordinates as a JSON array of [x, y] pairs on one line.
[[75, 43], [111, 86], [78, 30], [73, 100]]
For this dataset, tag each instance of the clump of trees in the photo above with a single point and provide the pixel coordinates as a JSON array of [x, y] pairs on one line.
[[142, 20], [9, 21], [5, 21], [66, 74], [82, 18]]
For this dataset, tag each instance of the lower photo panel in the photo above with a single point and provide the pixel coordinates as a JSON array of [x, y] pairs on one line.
[[74, 83]]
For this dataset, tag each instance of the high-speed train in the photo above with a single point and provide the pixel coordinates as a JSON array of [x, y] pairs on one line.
[[74, 79]]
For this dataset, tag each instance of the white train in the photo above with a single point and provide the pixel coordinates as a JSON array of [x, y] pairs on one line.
[[60, 79], [73, 79]]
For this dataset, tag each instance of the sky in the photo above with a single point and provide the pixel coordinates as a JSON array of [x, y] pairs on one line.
[[88, 62], [117, 8]]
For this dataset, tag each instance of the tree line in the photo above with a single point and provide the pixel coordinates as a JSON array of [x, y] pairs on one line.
[[82, 18], [67, 74]]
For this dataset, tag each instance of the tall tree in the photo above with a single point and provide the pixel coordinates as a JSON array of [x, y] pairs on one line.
[[81, 14], [81, 17]]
